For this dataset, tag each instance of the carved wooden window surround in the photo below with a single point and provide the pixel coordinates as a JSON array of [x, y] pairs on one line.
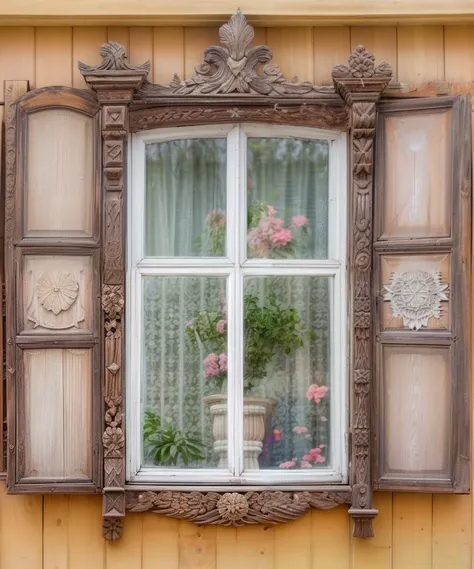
[[229, 87]]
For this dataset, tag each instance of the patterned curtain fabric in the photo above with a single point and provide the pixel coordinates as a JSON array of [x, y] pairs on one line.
[[186, 181]]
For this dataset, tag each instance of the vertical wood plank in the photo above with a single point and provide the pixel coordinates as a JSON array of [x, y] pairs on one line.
[[412, 531], [120, 34], [293, 544], [420, 54], [260, 37], [330, 538], [160, 542], [451, 531], [376, 553], [21, 531], [293, 51], [227, 548], [197, 546], [3, 386], [141, 47], [17, 55], [56, 532], [255, 547], [86, 544], [459, 57], [53, 56], [196, 40], [381, 41], [331, 47], [126, 552], [168, 54], [86, 42]]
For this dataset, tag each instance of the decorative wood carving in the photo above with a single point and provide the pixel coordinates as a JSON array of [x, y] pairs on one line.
[[361, 83], [231, 87], [416, 296], [322, 116], [234, 508], [57, 291], [115, 81]]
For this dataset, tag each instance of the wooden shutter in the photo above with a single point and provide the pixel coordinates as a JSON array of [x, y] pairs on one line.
[[53, 325], [422, 257]]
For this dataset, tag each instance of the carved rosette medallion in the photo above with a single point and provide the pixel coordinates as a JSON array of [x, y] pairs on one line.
[[57, 291], [416, 297]]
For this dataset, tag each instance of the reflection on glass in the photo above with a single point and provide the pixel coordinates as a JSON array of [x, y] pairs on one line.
[[288, 188], [185, 198], [179, 373], [286, 372]]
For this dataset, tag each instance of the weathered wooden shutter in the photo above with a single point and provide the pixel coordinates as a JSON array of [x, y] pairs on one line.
[[53, 326], [422, 258]]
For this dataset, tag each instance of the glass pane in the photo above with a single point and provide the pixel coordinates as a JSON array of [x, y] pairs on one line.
[[185, 198], [180, 316], [288, 189], [286, 372]]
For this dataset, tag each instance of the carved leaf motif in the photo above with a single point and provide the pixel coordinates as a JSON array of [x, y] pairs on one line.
[[114, 58], [234, 508], [57, 291], [233, 68], [361, 65], [416, 296]]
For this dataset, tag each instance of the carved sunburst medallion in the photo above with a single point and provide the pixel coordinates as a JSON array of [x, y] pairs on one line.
[[57, 291], [416, 297]]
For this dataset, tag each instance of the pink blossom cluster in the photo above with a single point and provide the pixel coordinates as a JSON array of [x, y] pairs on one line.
[[315, 455], [216, 218], [299, 430], [215, 365], [316, 392], [271, 232], [220, 326], [277, 434]]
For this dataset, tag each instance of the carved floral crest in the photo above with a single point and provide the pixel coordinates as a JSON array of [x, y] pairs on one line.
[[233, 67], [114, 58], [416, 296]]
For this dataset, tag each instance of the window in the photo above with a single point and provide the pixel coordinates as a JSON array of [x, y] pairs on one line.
[[237, 305]]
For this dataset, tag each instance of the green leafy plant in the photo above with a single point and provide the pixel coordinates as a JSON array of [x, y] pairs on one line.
[[166, 446], [270, 328]]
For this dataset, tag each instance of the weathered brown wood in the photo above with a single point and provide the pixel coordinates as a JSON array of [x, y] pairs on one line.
[[449, 290], [51, 297]]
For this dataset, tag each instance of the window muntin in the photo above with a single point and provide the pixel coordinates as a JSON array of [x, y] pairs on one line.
[[323, 263]]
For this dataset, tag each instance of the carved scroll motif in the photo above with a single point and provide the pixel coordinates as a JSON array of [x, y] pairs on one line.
[[233, 67], [360, 83], [234, 508]]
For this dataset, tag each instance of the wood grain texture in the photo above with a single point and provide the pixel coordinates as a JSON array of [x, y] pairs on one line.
[[53, 57], [293, 51], [331, 46], [86, 42], [56, 532], [412, 531], [168, 53], [331, 538], [452, 532], [196, 40], [420, 54], [141, 47], [17, 55]]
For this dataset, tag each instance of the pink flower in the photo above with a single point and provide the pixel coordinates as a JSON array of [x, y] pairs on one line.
[[300, 430], [305, 464], [316, 393], [282, 237], [307, 458], [216, 218], [211, 359], [223, 362], [299, 220], [271, 210], [316, 456], [322, 446], [320, 459], [277, 434], [324, 419], [288, 464], [220, 326], [189, 324]]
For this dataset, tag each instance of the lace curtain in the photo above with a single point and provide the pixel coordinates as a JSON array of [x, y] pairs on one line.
[[186, 180]]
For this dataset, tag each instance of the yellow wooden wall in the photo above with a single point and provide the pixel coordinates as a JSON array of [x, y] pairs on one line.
[[412, 531]]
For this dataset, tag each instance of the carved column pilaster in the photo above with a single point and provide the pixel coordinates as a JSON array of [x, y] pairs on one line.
[[361, 83], [114, 81]]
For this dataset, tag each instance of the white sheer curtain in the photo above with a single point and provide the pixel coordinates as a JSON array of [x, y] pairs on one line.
[[186, 181]]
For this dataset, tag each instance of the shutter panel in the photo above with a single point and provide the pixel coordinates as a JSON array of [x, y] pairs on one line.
[[53, 292], [422, 262]]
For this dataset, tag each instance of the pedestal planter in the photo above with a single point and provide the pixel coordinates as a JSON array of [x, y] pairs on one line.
[[256, 412]]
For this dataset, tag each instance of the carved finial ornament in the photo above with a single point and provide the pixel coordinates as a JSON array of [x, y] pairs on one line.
[[114, 58]]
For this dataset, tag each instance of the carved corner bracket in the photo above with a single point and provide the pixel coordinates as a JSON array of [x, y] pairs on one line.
[[361, 83], [231, 86]]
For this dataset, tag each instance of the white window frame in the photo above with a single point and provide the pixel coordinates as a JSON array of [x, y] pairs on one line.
[[235, 266]]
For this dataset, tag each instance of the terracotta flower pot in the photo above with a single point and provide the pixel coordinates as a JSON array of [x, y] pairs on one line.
[[256, 412]]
